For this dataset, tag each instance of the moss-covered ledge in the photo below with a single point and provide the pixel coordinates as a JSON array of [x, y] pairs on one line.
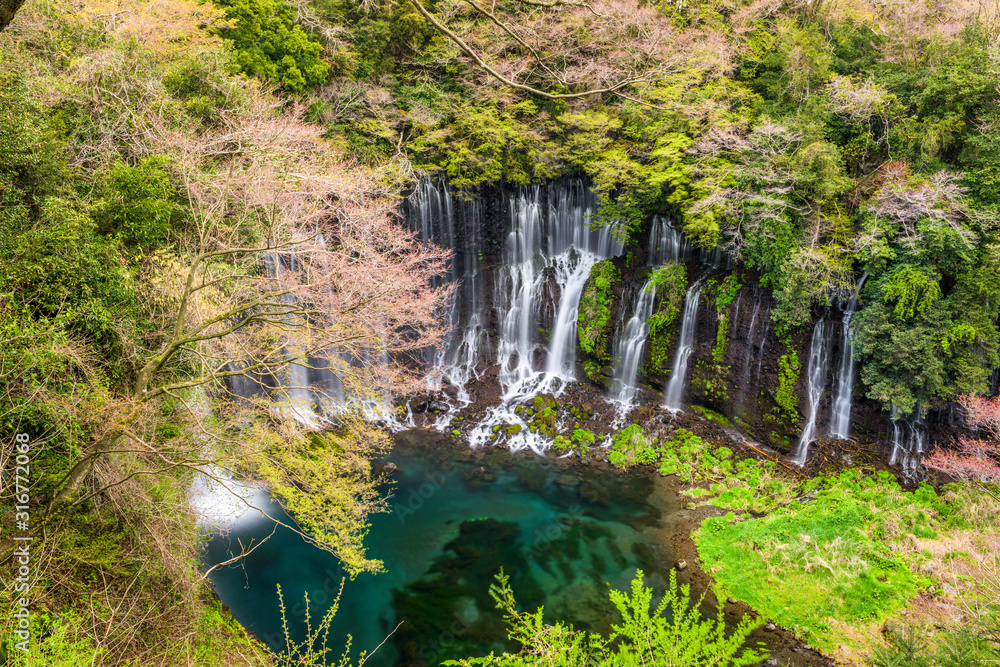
[[593, 325]]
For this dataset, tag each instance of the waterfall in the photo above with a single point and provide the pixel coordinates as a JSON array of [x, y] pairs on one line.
[[734, 326], [840, 419], [571, 273], [763, 339], [748, 365], [552, 239], [550, 236], [629, 348], [675, 388], [293, 397], [818, 362], [666, 244], [455, 360], [716, 257], [909, 440], [220, 501], [519, 289]]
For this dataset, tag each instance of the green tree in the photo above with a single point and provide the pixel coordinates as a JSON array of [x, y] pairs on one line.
[[269, 44]]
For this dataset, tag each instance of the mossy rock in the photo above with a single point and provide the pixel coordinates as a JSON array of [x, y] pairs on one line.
[[545, 401], [671, 285], [595, 310]]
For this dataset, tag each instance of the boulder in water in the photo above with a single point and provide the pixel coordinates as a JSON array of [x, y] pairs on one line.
[[594, 493], [568, 481]]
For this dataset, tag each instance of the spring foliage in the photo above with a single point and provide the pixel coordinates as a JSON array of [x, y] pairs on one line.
[[673, 633]]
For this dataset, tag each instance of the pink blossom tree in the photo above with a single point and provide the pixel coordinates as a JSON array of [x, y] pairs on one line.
[[975, 459]]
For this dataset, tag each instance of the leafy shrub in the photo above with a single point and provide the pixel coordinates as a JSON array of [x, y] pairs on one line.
[[137, 203], [673, 633], [269, 44], [630, 446]]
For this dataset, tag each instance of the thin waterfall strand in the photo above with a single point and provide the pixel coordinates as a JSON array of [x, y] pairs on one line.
[[840, 418], [666, 244], [629, 348], [675, 388], [818, 361], [909, 441]]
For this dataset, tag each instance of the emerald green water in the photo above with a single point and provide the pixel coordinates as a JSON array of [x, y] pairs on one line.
[[450, 530]]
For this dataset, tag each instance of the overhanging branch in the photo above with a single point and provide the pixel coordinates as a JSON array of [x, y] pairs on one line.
[[500, 77]]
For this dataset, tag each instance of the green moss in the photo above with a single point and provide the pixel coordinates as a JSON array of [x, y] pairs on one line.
[[545, 402], [789, 369], [725, 294], [595, 311], [711, 415], [840, 556], [778, 439], [721, 339], [710, 376], [670, 283]]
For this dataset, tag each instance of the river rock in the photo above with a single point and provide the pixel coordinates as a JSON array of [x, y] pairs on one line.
[[531, 476], [479, 474], [567, 480], [594, 493], [418, 404]]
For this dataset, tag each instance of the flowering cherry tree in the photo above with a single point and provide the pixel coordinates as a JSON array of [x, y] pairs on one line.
[[976, 458]]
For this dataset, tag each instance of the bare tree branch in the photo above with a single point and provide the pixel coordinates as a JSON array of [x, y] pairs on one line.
[[507, 81]]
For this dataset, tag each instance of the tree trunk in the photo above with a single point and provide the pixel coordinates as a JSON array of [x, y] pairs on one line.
[[7, 10], [83, 467]]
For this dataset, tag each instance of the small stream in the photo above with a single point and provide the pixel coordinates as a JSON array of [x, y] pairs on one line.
[[564, 533]]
